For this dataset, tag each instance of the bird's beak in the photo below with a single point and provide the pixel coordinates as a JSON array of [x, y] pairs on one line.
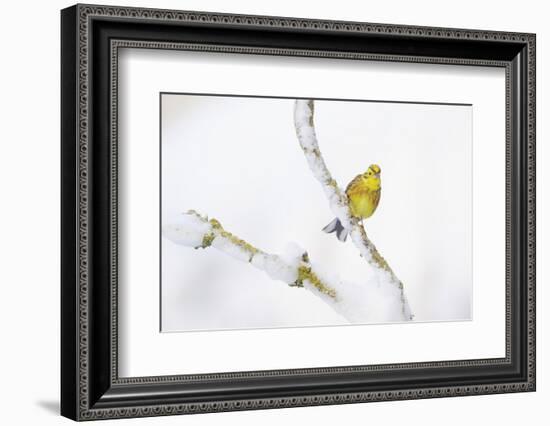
[[377, 175]]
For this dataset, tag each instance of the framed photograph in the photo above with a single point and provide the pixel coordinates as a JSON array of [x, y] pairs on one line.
[[263, 212]]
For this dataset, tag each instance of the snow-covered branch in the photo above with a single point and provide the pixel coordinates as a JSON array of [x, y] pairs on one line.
[[357, 302], [293, 267], [305, 130]]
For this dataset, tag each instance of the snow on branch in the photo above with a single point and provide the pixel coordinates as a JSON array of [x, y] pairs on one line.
[[305, 130], [357, 302], [293, 267]]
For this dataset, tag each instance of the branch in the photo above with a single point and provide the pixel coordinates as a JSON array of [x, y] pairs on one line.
[[357, 302], [293, 268], [338, 201]]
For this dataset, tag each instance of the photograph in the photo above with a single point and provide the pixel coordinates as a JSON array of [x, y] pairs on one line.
[[281, 212]]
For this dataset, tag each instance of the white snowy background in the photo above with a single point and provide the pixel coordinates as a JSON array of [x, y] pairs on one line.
[[238, 160]]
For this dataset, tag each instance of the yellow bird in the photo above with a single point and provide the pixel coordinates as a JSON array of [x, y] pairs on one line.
[[363, 197]]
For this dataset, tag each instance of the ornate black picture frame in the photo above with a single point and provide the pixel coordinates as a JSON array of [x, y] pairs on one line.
[[90, 385]]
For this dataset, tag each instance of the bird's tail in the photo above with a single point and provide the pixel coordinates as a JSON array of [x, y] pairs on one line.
[[336, 226]]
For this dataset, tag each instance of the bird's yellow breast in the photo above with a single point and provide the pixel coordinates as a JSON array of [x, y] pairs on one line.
[[362, 205], [364, 196]]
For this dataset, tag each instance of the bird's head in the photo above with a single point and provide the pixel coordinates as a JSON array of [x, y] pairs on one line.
[[373, 172]]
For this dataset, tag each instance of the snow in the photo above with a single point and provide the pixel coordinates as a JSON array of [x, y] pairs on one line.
[[357, 239], [369, 301], [317, 166], [230, 248], [187, 229], [302, 117], [275, 267], [341, 211]]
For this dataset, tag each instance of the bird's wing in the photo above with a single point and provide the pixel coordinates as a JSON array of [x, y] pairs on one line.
[[376, 199], [353, 183]]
